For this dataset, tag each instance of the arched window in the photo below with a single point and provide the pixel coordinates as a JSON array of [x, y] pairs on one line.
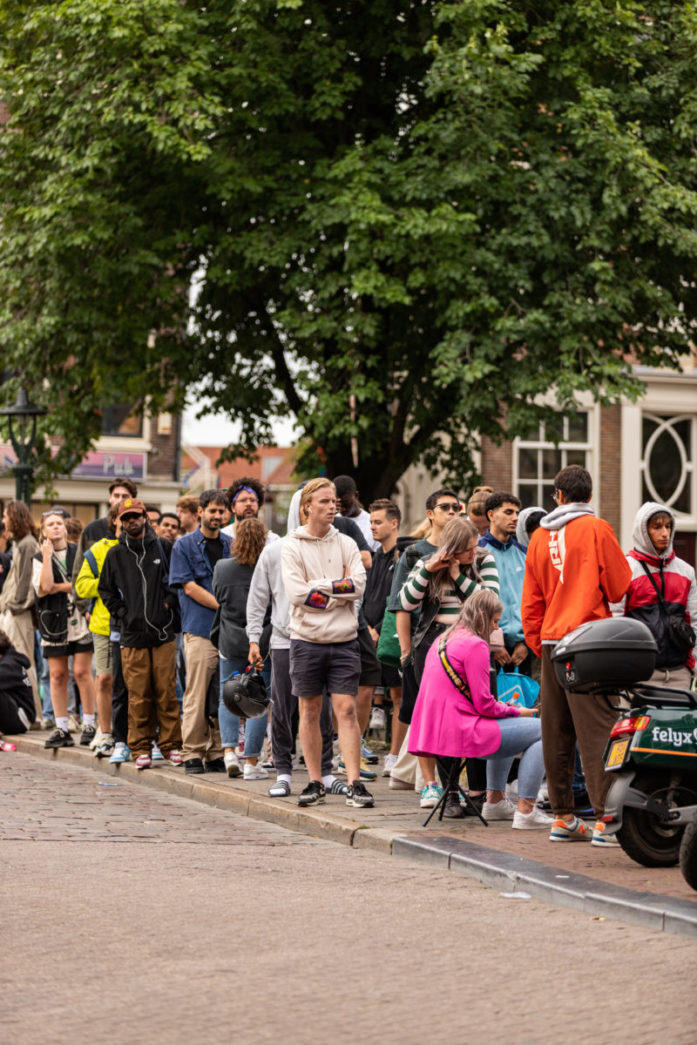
[[668, 460]]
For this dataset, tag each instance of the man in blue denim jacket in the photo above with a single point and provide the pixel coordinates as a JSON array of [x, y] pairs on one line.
[[191, 571]]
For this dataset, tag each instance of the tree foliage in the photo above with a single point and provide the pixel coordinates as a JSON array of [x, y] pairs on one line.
[[441, 210]]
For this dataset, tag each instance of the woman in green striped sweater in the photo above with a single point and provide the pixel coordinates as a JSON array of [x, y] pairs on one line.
[[437, 587]]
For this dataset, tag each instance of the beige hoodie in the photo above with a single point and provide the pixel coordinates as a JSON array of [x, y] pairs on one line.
[[323, 577]]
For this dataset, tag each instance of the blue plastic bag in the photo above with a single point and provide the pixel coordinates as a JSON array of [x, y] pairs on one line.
[[514, 688]]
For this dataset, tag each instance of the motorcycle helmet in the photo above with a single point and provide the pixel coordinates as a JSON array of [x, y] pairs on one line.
[[245, 695]]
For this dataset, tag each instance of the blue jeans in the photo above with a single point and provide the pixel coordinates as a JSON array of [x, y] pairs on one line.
[[517, 735], [255, 728]]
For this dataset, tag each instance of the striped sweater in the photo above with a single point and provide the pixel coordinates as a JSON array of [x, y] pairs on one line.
[[412, 594]]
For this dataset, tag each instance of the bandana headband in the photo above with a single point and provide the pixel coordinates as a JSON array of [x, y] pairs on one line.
[[249, 489]]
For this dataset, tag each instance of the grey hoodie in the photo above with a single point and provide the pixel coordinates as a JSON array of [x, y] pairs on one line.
[[566, 513], [641, 541], [323, 577], [521, 534]]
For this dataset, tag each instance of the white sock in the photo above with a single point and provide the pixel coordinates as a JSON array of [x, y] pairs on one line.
[[62, 723], [328, 780], [87, 720], [283, 776]]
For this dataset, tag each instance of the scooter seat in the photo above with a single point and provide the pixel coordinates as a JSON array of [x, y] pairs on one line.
[[661, 696]]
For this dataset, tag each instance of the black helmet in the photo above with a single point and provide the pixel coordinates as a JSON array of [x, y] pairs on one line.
[[245, 695]]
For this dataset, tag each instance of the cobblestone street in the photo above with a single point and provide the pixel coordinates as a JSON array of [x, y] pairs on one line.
[[131, 914]]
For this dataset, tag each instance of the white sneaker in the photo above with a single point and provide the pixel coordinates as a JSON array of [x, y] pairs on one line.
[[232, 764], [256, 772], [105, 747], [530, 821], [377, 719], [390, 762], [96, 739], [503, 810]]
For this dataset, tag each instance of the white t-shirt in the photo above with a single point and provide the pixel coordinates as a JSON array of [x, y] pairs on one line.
[[230, 531]]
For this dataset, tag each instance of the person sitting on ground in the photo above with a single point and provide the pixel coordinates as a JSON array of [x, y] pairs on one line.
[[658, 574], [17, 710], [456, 715]]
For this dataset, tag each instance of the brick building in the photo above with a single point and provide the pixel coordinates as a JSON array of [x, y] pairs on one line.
[[635, 452]]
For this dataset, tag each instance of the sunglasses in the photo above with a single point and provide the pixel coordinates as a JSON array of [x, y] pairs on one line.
[[448, 506], [129, 516]]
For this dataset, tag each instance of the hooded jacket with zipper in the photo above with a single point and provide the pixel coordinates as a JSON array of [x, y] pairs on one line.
[[134, 586], [87, 584], [510, 563], [323, 578], [674, 578], [574, 569]]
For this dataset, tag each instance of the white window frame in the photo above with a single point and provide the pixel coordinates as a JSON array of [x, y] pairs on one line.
[[589, 447]]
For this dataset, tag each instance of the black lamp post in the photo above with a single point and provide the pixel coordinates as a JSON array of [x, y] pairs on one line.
[[22, 416]]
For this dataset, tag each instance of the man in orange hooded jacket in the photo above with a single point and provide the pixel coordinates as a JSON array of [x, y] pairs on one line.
[[573, 570]]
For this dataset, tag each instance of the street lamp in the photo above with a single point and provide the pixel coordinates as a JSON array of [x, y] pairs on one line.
[[22, 417]]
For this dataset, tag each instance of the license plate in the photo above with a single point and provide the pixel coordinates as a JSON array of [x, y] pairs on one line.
[[617, 753]]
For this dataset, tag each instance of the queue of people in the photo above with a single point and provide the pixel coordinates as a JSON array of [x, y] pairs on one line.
[[345, 619]]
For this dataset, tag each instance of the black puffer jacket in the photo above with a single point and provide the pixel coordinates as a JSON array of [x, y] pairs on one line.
[[15, 684], [134, 586]]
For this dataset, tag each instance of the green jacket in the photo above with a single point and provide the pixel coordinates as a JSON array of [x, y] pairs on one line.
[[87, 584]]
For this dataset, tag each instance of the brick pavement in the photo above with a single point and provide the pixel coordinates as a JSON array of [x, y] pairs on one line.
[[161, 918], [395, 813]]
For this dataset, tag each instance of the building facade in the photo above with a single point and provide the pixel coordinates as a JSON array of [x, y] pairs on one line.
[[144, 449], [635, 452]]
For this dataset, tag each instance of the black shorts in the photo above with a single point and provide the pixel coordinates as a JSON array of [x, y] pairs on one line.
[[371, 668], [68, 649], [390, 676], [316, 666]]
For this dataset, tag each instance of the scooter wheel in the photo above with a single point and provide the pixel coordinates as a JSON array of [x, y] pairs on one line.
[[688, 854], [645, 839]]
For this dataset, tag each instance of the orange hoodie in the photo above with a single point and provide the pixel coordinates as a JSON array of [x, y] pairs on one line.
[[571, 574]]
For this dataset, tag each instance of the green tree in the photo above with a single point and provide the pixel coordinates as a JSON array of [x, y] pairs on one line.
[[433, 211]]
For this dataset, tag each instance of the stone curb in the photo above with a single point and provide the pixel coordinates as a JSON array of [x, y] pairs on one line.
[[515, 874], [496, 869]]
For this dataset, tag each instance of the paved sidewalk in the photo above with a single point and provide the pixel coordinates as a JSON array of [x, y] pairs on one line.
[[604, 883]]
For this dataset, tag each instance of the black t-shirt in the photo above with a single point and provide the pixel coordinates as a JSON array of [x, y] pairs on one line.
[[214, 550]]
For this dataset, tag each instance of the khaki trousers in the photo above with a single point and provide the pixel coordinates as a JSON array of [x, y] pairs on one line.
[[149, 675], [201, 738], [20, 631], [407, 768]]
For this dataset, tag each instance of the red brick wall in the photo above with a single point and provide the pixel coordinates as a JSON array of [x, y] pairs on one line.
[[608, 497], [162, 460], [497, 465]]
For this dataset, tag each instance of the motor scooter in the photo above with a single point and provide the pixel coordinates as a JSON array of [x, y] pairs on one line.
[[652, 748]]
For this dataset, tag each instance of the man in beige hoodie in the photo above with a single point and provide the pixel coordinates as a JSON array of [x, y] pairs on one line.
[[324, 578]]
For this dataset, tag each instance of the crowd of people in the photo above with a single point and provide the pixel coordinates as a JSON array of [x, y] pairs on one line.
[[346, 620]]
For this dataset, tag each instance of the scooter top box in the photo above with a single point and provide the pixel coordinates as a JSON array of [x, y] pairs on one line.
[[606, 654]]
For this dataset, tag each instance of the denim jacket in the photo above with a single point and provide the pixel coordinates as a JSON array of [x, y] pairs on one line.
[[190, 563]]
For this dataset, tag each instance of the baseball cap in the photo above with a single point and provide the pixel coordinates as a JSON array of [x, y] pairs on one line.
[[133, 505]]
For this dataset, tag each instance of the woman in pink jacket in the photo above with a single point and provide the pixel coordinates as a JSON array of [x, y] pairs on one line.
[[459, 724]]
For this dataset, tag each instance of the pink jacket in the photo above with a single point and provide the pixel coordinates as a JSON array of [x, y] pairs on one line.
[[445, 722]]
